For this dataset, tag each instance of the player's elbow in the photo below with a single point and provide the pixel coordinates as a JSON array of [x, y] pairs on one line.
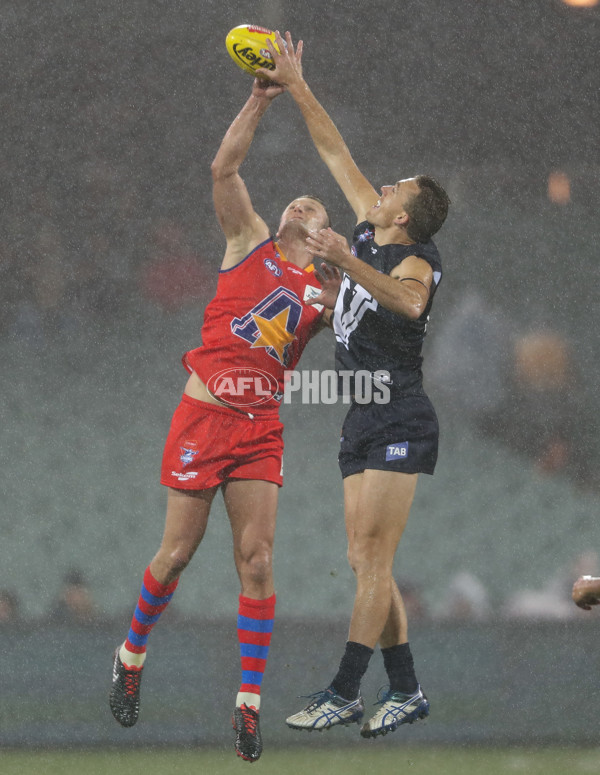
[[220, 170], [407, 309], [410, 303], [414, 311], [216, 167]]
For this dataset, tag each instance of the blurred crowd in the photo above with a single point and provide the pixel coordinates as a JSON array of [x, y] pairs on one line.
[[59, 273], [522, 387], [74, 603], [466, 598]]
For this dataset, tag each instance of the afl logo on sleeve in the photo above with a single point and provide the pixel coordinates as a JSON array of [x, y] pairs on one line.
[[272, 267], [271, 323]]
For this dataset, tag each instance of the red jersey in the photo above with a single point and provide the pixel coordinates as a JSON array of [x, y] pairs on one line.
[[255, 328]]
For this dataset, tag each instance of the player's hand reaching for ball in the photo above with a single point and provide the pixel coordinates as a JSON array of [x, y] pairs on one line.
[[330, 246], [266, 90], [288, 62], [330, 279]]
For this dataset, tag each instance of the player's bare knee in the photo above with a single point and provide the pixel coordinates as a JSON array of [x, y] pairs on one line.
[[366, 556], [257, 567], [177, 561], [360, 548]]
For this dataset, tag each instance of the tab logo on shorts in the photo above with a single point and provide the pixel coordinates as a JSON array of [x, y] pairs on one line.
[[397, 451]]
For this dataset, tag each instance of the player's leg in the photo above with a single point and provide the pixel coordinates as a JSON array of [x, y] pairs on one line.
[[377, 510], [395, 649], [340, 703], [377, 504], [396, 625], [185, 525], [252, 509]]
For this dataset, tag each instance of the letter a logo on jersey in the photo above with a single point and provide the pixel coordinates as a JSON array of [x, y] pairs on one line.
[[271, 323]]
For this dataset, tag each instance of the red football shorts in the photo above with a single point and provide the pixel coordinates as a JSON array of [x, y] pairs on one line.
[[209, 444]]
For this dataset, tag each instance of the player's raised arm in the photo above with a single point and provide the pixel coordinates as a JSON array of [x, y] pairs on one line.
[[328, 141], [242, 226]]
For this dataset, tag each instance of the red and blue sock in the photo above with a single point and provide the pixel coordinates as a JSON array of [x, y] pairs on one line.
[[255, 626], [154, 598]]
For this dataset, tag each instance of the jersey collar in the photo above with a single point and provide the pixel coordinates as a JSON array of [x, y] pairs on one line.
[[281, 254]]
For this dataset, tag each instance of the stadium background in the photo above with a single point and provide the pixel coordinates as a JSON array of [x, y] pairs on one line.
[[111, 116]]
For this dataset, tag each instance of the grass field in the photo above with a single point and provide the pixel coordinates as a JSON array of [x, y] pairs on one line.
[[300, 761]]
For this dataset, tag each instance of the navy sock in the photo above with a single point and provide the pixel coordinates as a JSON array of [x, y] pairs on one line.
[[400, 668], [353, 666]]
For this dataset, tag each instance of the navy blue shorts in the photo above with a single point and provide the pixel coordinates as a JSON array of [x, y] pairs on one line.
[[401, 435]]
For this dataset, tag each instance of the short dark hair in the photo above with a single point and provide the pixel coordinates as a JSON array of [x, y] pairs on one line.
[[320, 201], [427, 210]]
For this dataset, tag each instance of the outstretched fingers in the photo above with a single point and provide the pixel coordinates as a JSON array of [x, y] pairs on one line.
[[287, 61]]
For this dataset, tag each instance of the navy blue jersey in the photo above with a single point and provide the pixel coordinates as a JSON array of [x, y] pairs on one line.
[[368, 336]]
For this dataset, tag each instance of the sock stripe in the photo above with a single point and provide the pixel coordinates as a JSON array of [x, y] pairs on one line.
[[149, 609], [154, 598], [254, 638], [254, 663], [136, 640], [253, 677], [144, 618], [252, 651], [157, 589], [255, 625], [257, 614], [140, 629], [250, 688], [257, 609], [132, 648]]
